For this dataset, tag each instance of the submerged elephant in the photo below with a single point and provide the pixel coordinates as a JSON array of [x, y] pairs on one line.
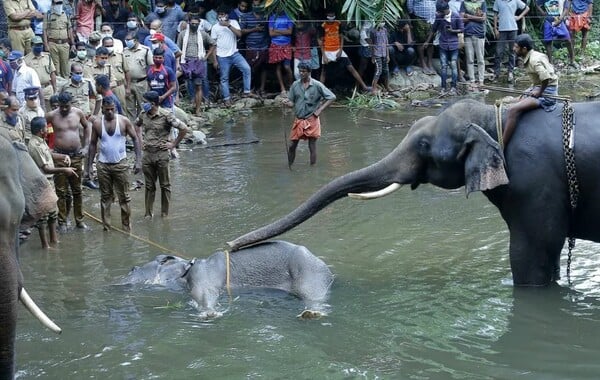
[[25, 195], [527, 181], [274, 265]]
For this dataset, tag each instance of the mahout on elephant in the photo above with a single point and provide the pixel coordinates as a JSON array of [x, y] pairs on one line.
[[25, 195], [273, 265], [527, 181]]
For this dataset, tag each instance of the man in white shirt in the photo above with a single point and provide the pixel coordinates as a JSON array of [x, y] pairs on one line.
[[226, 32], [24, 76]]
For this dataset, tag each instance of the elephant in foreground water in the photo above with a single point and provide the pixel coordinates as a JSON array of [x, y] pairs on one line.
[[527, 181], [272, 265], [25, 195]]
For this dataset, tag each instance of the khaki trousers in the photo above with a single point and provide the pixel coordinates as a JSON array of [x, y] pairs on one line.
[[155, 165], [114, 176], [60, 56], [21, 39]]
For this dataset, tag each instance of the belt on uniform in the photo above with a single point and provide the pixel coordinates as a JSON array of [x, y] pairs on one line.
[[19, 27], [70, 154], [139, 80], [154, 149], [58, 40]]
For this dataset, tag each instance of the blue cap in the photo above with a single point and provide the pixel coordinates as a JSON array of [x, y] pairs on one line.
[[14, 55], [31, 92]]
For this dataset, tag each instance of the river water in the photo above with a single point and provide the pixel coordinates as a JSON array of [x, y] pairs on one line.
[[422, 289]]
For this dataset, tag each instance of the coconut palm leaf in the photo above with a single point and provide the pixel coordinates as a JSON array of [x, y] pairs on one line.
[[387, 11]]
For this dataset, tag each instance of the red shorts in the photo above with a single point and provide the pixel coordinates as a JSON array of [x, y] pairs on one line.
[[579, 22]]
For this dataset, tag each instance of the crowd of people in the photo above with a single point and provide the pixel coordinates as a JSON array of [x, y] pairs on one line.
[[78, 79]]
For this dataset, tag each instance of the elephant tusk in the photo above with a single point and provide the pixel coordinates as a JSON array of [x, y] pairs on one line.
[[376, 194], [37, 312]]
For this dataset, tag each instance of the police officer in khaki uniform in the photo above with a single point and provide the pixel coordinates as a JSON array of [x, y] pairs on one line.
[[41, 62], [119, 81], [19, 14], [58, 37], [11, 121], [30, 110], [81, 55], [139, 58], [81, 89], [155, 125], [98, 66]]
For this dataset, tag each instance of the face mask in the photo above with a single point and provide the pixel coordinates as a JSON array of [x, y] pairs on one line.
[[101, 62], [57, 9], [146, 107], [130, 43], [155, 46], [223, 18], [37, 49], [131, 24], [160, 10], [194, 27], [81, 54], [448, 17], [77, 77], [12, 118], [152, 32], [15, 65], [110, 49], [106, 34], [330, 18]]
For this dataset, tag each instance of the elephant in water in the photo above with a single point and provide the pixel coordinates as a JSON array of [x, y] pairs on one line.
[[274, 265], [527, 181], [25, 195]]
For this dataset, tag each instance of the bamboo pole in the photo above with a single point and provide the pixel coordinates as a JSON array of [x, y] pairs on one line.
[[520, 92]]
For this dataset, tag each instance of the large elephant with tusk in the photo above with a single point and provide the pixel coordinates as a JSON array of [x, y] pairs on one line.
[[25, 195], [527, 180]]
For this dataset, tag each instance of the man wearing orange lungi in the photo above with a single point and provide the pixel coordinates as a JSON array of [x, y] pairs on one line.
[[309, 97]]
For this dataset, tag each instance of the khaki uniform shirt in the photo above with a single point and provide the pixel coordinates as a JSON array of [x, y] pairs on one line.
[[28, 114], [156, 128], [82, 63], [16, 6], [16, 133], [119, 68], [539, 68], [41, 154], [42, 65], [139, 59], [92, 69], [81, 94], [56, 26]]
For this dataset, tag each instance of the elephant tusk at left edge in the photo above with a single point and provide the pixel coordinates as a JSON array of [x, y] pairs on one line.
[[376, 194], [37, 312]]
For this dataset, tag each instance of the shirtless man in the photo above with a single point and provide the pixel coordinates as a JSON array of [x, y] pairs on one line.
[[111, 130], [66, 121]]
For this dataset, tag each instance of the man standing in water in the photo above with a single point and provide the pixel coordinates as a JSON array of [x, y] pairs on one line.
[[66, 121], [155, 124], [309, 97], [111, 130]]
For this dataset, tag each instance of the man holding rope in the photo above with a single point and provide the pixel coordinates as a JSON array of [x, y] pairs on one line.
[[544, 88]]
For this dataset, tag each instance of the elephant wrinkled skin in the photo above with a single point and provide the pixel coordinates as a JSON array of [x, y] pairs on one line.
[[527, 181], [25, 195]]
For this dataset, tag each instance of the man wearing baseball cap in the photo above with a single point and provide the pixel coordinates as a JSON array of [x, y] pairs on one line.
[[23, 75]]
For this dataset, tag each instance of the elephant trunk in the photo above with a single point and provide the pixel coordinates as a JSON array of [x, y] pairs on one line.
[[37, 312], [371, 178]]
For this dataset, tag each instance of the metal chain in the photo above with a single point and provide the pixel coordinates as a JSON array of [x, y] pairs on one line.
[[568, 122]]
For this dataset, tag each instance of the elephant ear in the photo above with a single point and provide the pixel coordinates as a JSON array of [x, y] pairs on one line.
[[484, 161]]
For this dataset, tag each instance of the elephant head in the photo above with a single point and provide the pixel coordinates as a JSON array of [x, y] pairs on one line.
[[25, 194], [450, 150]]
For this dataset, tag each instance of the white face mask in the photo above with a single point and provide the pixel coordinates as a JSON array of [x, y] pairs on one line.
[[110, 49], [81, 54], [57, 9], [152, 32], [448, 17], [330, 18], [131, 24], [106, 34], [155, 46]]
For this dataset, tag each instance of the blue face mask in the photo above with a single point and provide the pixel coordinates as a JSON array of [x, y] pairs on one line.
[[129, 43], [12, 118], [146, 107], [37, 49], [77, 77]]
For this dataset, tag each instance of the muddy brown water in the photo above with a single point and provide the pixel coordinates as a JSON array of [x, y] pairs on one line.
[[422, 288]]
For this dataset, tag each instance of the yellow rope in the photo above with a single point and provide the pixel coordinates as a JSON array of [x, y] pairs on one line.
[[128, 233]]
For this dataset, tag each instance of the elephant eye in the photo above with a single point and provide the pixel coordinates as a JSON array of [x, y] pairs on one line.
[[423, 146]]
